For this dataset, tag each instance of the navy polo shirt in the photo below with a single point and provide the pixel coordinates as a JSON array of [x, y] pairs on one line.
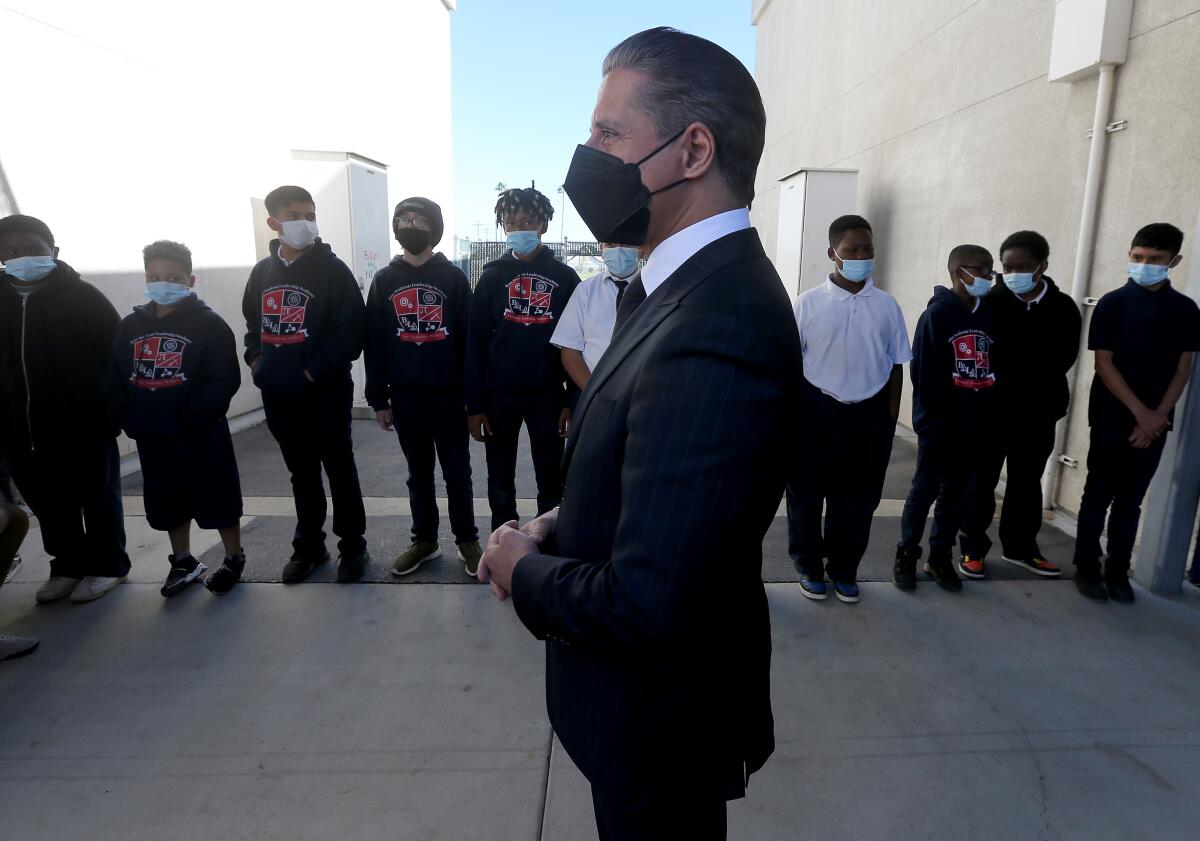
[[1146, 332]]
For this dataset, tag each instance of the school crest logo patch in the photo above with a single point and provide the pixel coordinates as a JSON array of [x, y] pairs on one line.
[[283, 312], [972, 360], [158, 361], [420, 314], [529, 299]]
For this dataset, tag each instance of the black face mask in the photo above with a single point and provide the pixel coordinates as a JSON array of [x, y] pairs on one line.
[[414, 240], [609, 194]]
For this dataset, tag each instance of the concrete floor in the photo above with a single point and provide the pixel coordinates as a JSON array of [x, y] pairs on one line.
[[1015, 710]]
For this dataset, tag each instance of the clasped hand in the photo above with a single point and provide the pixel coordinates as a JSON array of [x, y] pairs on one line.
[[508, 545]]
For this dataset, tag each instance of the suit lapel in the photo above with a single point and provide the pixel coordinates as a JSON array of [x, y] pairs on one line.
[[740, 245]]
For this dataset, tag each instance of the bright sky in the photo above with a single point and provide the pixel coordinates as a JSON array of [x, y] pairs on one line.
[[525, 74]]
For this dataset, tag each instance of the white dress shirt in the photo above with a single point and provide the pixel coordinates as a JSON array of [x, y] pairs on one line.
[[678, 248], [850, 341], [586, 324]]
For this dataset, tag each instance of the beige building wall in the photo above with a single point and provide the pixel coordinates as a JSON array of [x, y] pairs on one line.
[[945, 109]]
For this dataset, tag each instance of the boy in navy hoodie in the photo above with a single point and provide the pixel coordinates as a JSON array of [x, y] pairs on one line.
[[514, 374], [1145, 335], [954, 413], [417, 314], [1042, 324], [56, 331], [172, 372], [304, 326]]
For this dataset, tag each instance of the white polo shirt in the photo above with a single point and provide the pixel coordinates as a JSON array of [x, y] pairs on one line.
[[850, 342], [586, 324]]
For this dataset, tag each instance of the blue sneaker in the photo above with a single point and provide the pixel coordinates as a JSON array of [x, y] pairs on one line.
[[846, 592], [812, 588]]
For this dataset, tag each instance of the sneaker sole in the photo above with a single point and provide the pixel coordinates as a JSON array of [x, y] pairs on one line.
[[284, 579], [94, 596], [844, 598], [1056, 574], [432, 556], [474, 573], [22, 652], [974, 576], [182, 585], [816, 597], [40, 599]]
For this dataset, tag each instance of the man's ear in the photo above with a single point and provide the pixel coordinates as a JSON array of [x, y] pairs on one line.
[[54, 252], [1171, 265], [274, 224], [545, 227], [191, 281], [700, 150]]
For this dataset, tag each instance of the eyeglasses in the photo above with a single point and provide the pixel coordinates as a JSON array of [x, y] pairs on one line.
[[980, 272], [412, 220]]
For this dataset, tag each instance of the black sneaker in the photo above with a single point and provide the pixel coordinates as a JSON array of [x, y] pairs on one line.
[[904, 573], [301, 566], [352, 567], [183, 572], [1090, 585], [230, 573], [941, 570], [1119, 588]]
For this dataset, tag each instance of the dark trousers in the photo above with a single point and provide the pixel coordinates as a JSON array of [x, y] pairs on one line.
[[75, 492], [1026, 450], [539, 413], [943, 475], [313, 431], [433, 428], [1118, 476], [843, 470], [6, 494], [677, 814]]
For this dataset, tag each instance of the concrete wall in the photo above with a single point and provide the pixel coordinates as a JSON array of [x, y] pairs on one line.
[[944, 108]]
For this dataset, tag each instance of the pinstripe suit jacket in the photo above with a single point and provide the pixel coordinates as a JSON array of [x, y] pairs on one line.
[[651, 598]]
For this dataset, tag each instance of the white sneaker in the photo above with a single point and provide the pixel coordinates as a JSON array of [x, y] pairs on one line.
[[94, 587], [58, 587], [11, 646], [14, 569]]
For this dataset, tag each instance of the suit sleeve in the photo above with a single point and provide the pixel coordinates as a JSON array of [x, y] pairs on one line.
[[251, 304], [344, 342], [375, 349], [707, 414], [479, 339], [221, 378]]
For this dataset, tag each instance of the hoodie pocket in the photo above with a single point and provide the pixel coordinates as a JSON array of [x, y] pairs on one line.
[[279, 372]]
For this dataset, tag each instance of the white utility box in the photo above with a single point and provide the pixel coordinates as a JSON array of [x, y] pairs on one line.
[[809, 200], [1087, 34]]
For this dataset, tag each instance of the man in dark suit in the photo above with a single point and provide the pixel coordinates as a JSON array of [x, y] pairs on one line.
[[646, 582]]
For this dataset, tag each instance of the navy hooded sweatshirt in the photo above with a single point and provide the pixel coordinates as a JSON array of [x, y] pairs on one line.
[[514, 311], [1043, 343], [54, 347], [417, 319], [174, 375], [955, 370], [307, 316]]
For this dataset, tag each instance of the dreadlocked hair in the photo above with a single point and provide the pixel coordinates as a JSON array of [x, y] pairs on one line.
[[528, 199]]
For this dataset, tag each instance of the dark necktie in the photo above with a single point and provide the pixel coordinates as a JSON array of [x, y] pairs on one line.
[[628, 301], [620, 284]]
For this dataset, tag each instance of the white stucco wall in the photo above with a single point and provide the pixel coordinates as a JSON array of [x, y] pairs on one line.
[[945, 109], [139, 120]]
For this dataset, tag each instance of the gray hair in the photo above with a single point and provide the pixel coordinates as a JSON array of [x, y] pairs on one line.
[[689, 79]]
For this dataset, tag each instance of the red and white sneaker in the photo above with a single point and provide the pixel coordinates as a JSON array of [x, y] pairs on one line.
[[971, 566], [1035, 564]]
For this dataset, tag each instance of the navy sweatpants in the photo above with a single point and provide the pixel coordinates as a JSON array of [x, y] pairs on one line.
[[313, 430], [192, 477]]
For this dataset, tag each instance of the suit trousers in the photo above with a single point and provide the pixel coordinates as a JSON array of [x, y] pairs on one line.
[[74, 490], [842, 470], [670, 814], [313, 429], [539, 413], [1118, 476], [432, 427], [1026, 452]]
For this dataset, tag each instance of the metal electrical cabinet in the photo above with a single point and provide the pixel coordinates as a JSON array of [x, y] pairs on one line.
[[809, 199]]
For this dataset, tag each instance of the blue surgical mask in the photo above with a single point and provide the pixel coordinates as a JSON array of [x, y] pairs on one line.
[[166, 293], [1019, 283], [855, 271], [29, 269], [1147, 274], [979, 286], [621, 260], [523, 242]]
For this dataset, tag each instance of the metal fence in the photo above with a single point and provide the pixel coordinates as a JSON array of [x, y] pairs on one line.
[[483, 253]]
